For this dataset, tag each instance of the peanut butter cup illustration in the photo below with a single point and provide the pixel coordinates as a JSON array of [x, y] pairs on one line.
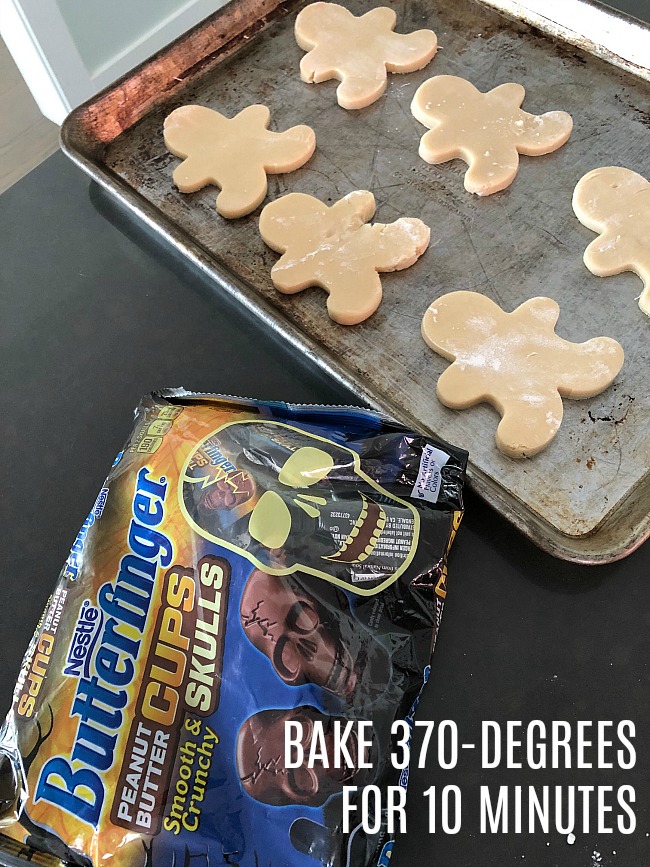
[[261, 759], [307, 641]]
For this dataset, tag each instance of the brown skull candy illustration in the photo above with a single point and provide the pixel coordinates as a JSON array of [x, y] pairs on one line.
[[307, 642], [261, 759], [290, 500]]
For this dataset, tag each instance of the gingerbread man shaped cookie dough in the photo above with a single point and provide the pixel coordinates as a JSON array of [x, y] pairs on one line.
[[233, 153], [615, 202], [358, 51], [516, 362], [334, 248], [486, 130]]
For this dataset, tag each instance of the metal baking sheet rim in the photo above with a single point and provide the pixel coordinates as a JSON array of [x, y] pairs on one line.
[[558, 23], [619, 534]]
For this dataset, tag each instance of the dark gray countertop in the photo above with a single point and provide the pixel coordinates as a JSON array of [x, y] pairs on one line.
[[94, 312], [639, 8]]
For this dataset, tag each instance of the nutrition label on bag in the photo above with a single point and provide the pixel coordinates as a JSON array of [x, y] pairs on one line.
[[427, 485]]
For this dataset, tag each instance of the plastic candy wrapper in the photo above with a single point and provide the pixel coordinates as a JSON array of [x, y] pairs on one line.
[[245, 565]]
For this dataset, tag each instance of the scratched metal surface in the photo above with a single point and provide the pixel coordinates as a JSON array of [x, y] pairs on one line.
[[585, 497]]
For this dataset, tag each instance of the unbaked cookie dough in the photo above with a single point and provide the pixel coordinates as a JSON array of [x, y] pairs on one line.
[[615, 202], [358, 51], [486, 130], [516, 362], [334, 248], [234, 154]]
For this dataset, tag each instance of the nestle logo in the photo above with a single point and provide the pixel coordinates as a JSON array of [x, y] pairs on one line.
[[98, 508], [83, 641]]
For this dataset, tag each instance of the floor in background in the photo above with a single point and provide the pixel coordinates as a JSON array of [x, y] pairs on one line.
[[26, 137]]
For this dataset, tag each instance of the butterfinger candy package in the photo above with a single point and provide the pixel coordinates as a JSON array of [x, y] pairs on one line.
[[254, 580]]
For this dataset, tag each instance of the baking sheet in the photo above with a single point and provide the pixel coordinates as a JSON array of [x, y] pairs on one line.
[[585, 498]]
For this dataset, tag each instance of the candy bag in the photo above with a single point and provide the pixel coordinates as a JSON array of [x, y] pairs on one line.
[[248, 569]]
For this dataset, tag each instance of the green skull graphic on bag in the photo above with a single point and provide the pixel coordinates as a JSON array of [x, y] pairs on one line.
[[289, 500]]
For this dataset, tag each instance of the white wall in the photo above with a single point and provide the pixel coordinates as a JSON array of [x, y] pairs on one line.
[[68, 50], [104, 31]]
